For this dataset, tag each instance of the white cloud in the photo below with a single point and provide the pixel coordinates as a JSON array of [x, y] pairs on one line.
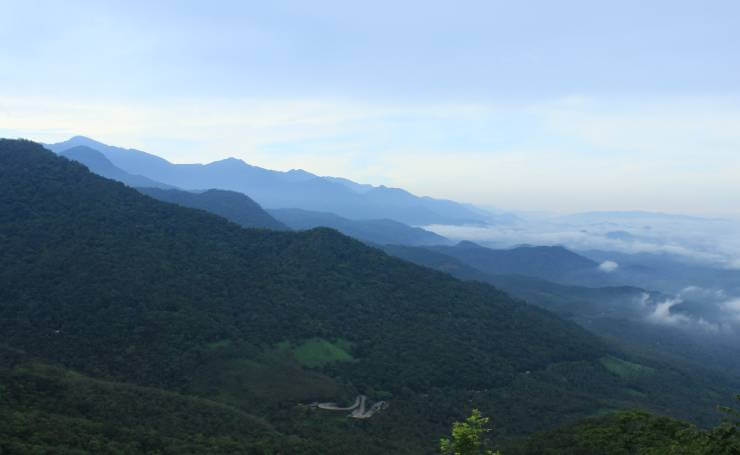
[[709, 242], [732, 308], [608, 266], [661, 314], [703, 294], [718, 312]]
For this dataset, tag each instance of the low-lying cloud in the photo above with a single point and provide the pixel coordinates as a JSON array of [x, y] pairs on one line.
[[608, 266], [695, 308], [662, 314], [712, 242]]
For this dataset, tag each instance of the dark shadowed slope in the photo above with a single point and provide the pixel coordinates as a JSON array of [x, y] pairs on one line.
[[292, 189], [231, 205], [372, 231], [99, 164]]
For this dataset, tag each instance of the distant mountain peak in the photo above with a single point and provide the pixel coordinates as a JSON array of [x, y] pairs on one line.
[[84, 149], [229, 160], [82, 140], [468, 244], [98, 163], [392, 189], [285, 189], [300, 171]]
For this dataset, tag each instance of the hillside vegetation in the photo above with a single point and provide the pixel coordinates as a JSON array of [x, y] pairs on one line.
[[115, 293], [233, 206]]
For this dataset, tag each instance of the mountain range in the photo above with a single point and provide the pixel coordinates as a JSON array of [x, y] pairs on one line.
[[626, 315], [379, 232], [135, 325], [292, 189], [241, 209], [233, 206], [99, 164], [551, 277]]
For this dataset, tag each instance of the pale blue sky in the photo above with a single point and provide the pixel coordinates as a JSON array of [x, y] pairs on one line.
[[567, 105]]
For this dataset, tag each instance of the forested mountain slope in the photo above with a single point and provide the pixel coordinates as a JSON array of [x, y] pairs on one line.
[[115, 257], [233, 206], [373, 231], [625, 315], [102, 280], [99, 164]]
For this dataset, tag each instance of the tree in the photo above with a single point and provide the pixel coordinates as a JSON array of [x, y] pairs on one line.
[[467, 437], [733, 415]]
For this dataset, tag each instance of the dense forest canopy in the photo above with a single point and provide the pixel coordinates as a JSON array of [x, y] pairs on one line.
[[106, 292]]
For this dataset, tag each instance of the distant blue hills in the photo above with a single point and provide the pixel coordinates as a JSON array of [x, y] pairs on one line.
[[292, 189], [99, 164]]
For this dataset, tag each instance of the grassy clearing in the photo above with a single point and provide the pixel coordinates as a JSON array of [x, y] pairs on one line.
[[318, 352], [625, 369]]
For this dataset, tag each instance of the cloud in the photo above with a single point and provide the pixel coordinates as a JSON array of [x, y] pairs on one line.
[[732, 308], [661, 314], [608, 266], [703, 294], [711, 310], [705, 241]]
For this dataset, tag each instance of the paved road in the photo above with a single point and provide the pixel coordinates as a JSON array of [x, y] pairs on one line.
[[335, 407], [357, 409]]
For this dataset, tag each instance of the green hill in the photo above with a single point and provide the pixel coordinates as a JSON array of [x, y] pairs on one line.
[[118, 292], [233, 206], [634, 432]]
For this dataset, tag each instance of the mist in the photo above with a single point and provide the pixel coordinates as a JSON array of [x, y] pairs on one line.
[[702, 241], [695, 308]]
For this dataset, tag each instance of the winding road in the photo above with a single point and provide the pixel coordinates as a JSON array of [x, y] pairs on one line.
[[357, 409]]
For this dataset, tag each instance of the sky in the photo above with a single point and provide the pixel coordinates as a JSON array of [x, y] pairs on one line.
[[535, 105]]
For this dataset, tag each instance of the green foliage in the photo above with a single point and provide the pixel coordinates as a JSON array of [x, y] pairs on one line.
[[153, 284], [318, 352], [52, 410], [467, 437], [101, 279], [169, 313], [732, 415], [634, 432], [625, 369]]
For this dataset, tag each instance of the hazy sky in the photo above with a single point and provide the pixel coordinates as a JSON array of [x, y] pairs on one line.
[[532, 105]]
